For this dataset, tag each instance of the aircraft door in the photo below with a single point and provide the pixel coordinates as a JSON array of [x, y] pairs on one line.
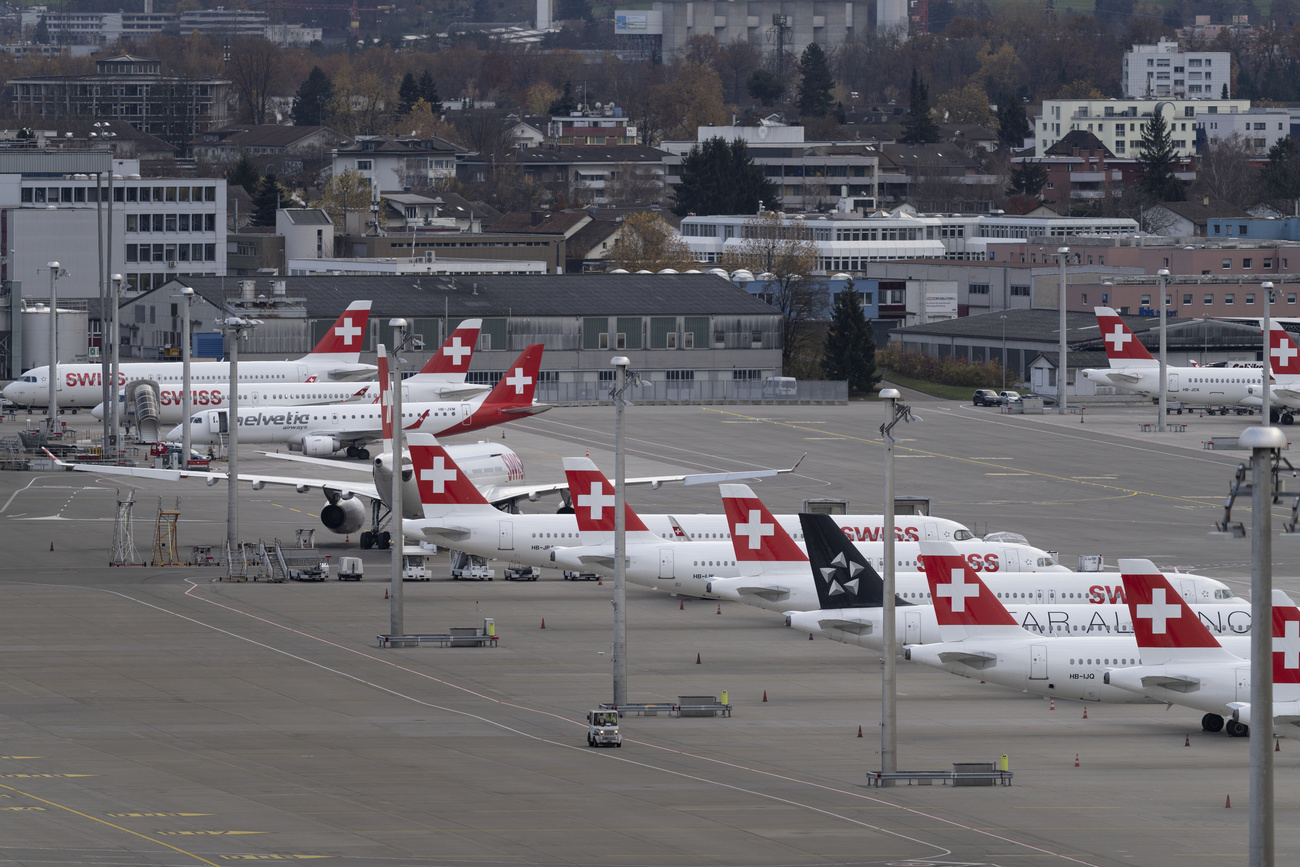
[[1051, 595], [334, 417], [1173, 383], [1010, 560], [219, 422], [911, 627], [465, 413], [1188, 589], [665, 562], [931, 530], [1038, 662], [506, 541], [1243, 684]]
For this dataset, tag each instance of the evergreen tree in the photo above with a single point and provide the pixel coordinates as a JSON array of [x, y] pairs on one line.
[[1281, 177], [566, 104], [41, 34], [408, 94], [312, 99], [1013, 124], [429, 93], [815, 82], [244, 174], [1027, 179], [919, 126], [764, 86], [1157, 162], [850, 344], [267, 201], [719, 177]]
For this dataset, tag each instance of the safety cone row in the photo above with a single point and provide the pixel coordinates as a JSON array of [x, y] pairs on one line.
[[719, 607], [1187, 742], [1052, 706], [385, 592], [1227, 804]]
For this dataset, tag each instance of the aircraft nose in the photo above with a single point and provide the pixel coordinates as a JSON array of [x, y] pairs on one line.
[[175, 435], [98, 411], [11, 392]]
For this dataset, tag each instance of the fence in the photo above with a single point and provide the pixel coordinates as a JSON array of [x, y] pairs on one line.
[[697, 391]]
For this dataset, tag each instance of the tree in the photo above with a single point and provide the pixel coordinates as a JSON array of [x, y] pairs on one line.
[[720, 178], [1157, 162], [345, 194], [647, 242], [566, 104], [968, 104], [41, 33], [783, 247], [764, 86], [1027, 179], [254, 69], [919, 126], [408, 93], [1224, 172], [850, 351], [634, 182], [691, 100], [244, 174], [429, 93], [1013, 124], [815, 82], [312, 99], [267, 201]]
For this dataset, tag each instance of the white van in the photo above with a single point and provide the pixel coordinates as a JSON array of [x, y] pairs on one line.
[[785, 387]]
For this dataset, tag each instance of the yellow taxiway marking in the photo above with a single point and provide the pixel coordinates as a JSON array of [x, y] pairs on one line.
[[156, 815], [271, 857], [42, 776], [97, 820], [21, 757], [205, 833]]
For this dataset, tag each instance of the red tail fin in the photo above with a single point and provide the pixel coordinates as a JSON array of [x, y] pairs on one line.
[[1286, 639], [453, 357], [960, 598], [755, 534], [1161, 619], [347, 333], [517, 386], [1121, 343], [593, 499], [439, 480], [1283, 355]]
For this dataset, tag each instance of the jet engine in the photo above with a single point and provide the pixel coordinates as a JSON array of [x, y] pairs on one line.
[[343, 516], [318, 446]]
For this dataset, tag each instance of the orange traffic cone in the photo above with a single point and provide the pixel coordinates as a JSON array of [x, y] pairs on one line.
[[859, 731], [385, 592], [697, 659], [719, 607], [1277, 745], [810, 638], [682, 605], [1085, 711], [1076, 760], [764, 695], [543, 622], [1187, 742], [51, 546], [1227, 804], [1053, 705]]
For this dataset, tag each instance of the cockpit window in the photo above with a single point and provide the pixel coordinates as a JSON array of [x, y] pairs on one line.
[[962, 535], [1225, 593]]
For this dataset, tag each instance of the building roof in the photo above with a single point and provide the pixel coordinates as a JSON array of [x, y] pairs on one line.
[[1079, 359], [1081, 139], [540, 222], [144, 142], [267, 135], [512, 295], [1022, 325], [598, 154], [307, 216], [597, 231], [1200, 211]]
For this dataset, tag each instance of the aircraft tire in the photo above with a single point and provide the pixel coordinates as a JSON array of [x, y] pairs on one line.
[[364, 454], [1212, 722], [367, 540], [352, 451], [1288, 418], [385, 541], [1236, 729]]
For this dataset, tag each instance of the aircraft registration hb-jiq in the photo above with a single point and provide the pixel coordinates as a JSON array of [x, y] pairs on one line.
[[982, 640], [779, 577], [851, 595], [1182, 663], [1132, 368], [442, 378], [325, 429], [334, 358], [457, 516]]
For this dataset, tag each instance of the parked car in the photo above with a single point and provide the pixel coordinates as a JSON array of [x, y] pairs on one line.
[[987, 397], [1009, 396]]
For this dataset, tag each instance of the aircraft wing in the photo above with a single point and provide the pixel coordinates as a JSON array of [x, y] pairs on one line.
[[332, 463], [857, 627], [979, 659], [1177, 683], [301, 485]]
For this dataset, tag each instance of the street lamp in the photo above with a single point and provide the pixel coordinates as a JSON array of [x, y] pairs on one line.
[[115, 374], [187, 295], [1267, 286], [620, 538], [1163, 278], [236, 329], [52, 405], [1062, 253], [1003, 317], [396, 618]]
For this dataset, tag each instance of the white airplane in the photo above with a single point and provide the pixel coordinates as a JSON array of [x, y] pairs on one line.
[[334, 358], [457, 516], [696, 565], [1284, 386], [1184, 664], [1132, 368], [322, 430], [442, 378], [982, 640], [851, 594]]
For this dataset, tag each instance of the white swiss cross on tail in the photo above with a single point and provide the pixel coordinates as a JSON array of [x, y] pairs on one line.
[[1118, 338], [755, 529], [518, 380], [596, 501], [1158, 611], [439, 480], [1161, 619], [438, 475], [1286, 640], [961, 600], [1121, 344], [756, 536], [454, 350], [347, 331], [1284, 356], [958, 591]]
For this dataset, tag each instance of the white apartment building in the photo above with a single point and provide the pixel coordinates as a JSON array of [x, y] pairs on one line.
[[1161, 70], [1259, 128], [1120, 123]]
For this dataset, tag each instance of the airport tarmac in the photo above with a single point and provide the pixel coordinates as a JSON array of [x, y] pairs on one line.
[[159, 716]]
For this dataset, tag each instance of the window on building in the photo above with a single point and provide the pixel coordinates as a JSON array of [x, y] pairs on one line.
[[1209, 297], [1227, 264], [1229, 297], [979, 288], [1250, 297], [1245, 262], [1187, 299]]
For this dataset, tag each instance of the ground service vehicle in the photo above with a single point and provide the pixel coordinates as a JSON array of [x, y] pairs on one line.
[[350, 569], [602, 729]]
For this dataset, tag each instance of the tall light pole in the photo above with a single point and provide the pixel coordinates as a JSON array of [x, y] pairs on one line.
[[888, 677], [1265, 442], [396, 624], [620, 539], [1267, 286], [235, 328], [187, 436], [1062, 253], [52, 407], [1163, 279], [115, 373], [1003, 317]]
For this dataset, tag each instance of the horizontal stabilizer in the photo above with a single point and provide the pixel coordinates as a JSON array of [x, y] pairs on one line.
[[445, 534], [971, 658], [771, 594], [1122, 376], [604, 560], [856, 627], [1173, 682], [531, 409]]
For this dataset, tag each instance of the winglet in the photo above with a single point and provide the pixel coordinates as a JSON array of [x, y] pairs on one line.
[[842, 576], [963, 604], [1122, 345], [1166, 628]]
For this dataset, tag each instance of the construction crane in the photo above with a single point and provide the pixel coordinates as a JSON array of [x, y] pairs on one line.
[[353, 10]]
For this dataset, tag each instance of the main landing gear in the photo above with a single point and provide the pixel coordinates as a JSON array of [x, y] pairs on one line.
[[1212, 722], [362, 454], [383, 541]]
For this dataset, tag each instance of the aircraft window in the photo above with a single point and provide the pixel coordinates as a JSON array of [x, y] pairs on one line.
[[1071, 662], [1222, 594], [1090, 662]]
